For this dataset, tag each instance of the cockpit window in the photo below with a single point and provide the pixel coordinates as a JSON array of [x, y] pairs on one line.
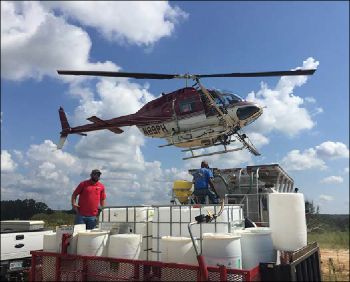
[[188, 106], [229, 97]]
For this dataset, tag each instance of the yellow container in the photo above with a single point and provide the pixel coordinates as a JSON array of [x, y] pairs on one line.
[[182, 190]]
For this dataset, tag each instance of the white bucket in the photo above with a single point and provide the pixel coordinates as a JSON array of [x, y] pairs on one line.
[[93, 243], [177, 249], [126, 246], [222, 249], [257, 246], [287, 221]]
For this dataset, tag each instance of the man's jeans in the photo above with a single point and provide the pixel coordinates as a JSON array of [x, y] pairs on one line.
[[90, 221], [202, 193]]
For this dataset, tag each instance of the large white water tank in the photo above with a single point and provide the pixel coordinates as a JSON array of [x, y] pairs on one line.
[[177, 249], [93, 243], [287, 221], [222, 249], [127, 214], [257, 246], [126, 246], [49, 244], [173, 221], [135, 220]]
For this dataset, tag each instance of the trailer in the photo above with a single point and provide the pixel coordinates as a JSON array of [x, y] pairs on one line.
[[245, 196]]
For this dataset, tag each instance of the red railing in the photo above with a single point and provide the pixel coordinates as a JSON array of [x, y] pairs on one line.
[[64, 267]]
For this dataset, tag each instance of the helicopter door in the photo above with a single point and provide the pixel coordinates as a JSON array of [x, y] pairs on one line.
[[209, 109]]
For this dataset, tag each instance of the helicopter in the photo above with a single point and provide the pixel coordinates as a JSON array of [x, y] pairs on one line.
[[193, 118]]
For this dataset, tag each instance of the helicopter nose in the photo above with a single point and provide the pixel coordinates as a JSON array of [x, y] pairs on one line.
[[248, 111]]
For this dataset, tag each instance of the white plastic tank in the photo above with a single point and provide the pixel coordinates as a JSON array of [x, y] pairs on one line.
[[93, 243], [257, 246], [127, 214], [173, 221], [126, 246], [177, 249], [222, 249], [287, 221], [49, 244]]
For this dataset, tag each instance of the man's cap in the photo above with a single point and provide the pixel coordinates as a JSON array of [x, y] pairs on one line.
[[96, 170]]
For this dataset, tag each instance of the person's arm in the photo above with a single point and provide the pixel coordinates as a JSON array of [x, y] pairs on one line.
[[103, 203], [76, 192], [74, 205]]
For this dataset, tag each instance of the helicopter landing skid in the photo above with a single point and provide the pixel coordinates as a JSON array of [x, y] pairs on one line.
[[209, 154]]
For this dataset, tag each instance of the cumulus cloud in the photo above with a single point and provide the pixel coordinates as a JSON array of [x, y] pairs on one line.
[[346, 170], [47, 175], [315, 157], [332, 150], [332, 180], [326, 198], [36, 42], [284, 111], [7, 164], [135, 22]]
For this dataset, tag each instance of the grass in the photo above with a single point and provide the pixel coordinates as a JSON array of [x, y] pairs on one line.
[[330, 239], [336, 243], [55, 219]]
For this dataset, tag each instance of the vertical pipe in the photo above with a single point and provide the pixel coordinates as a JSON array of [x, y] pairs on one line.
[[239, 180], [158, 215], [223, 273], [278, 180], [85, 269], [32, 268], [57, 270]]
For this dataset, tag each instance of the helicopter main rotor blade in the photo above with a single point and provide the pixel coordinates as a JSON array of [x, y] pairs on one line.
[[120, 74], [140, 75], [260, 74]]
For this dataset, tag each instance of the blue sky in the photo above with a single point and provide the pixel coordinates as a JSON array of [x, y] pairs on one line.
[[305, 126]]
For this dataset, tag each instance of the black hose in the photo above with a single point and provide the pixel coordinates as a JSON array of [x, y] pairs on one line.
[[226, 185]]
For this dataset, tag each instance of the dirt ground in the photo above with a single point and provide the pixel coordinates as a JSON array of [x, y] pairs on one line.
[[340, 261]]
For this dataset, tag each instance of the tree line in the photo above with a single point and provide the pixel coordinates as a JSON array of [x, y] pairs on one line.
[[22, 209]]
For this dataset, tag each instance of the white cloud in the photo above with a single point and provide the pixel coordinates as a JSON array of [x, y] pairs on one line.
[[300, 161], [332, 150], [135, 22], [326, 198], [284, 110], [317, 111], [315, 157], [346, 170], [310, 99], [36, 42], [332, 180], [7, 164]]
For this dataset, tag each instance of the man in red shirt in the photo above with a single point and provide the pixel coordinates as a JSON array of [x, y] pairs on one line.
[[91, 194]]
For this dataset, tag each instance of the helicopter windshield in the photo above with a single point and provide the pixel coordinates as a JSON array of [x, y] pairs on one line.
[[229, 97]]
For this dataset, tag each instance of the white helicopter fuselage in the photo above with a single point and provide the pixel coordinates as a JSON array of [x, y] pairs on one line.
[[197, 129]]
